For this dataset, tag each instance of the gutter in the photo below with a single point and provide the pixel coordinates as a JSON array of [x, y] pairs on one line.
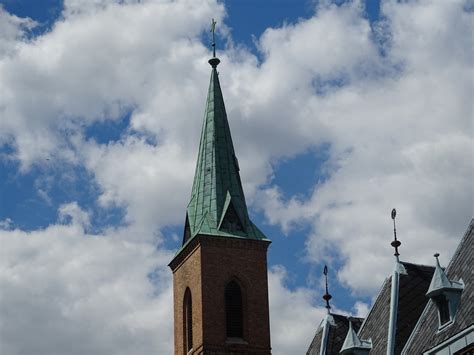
[[392, 325]]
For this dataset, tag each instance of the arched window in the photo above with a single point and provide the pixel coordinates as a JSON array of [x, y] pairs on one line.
[[234, 310], [188, 321]]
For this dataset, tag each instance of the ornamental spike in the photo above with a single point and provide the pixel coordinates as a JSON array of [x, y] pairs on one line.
[[327, 297], [395, 243]]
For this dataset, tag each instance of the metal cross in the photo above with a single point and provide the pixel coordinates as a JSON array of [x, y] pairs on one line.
[[213, 30]]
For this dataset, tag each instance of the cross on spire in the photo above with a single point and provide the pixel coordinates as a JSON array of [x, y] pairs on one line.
[[327, 297], [213, 30]]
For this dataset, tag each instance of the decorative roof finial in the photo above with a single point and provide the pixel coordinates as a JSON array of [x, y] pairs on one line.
[[214, 62], [213, 30], [436, 255], [396, 243], [327, 297]]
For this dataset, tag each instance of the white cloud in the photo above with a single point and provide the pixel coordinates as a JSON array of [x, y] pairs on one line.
[[293, 317], [6, 224], [73, 213], [13, 30], [151, 187], [396, 141], [67, 292], [96, 67], [361, 309]]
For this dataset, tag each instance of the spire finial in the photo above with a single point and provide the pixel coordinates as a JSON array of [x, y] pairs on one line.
[[436, 255], [213, 30], [327, 297], [396, 243], [214, 62]]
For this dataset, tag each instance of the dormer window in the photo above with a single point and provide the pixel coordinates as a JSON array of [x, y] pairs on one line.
[[445, 294], [353, 345]]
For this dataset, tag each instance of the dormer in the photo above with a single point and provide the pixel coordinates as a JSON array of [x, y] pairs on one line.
[[353, 345], [445, 294]]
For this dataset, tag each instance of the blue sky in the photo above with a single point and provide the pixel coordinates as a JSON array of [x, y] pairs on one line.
[[339, 110]]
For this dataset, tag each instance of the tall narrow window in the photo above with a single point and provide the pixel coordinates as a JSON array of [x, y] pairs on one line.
[[443, 308], [233, 310], [188, 321]]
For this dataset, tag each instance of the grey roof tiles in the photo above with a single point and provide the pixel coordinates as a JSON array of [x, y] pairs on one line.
[[426, 334]]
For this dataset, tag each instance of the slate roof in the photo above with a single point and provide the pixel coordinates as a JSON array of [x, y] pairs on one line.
[[336, 336], [411, 302], [217, 206], [426, 335]]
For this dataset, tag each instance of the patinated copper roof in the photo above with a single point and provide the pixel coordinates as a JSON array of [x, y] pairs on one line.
[[217, 205]]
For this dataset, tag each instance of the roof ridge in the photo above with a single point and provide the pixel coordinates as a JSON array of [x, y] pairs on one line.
[[424, 265]]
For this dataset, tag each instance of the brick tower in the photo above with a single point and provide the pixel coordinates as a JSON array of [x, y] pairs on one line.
[[220, 272]]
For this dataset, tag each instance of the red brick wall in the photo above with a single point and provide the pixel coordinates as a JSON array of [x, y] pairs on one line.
[[188, 274], [206, 266]]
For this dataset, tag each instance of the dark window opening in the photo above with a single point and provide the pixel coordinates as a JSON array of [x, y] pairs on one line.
[[231, 220], [234, 311], [188, 321], [468, 350], [187, 231], [443, 308]]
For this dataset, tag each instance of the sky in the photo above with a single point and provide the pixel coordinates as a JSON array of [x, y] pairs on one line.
[[339, 111]]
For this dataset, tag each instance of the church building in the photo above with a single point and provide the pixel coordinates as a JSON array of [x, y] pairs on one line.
[[220, 272], [419, 310]]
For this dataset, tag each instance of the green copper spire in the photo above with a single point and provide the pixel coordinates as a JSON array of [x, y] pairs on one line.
[[217, 205]]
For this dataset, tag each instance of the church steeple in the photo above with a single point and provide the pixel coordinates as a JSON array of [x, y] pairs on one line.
[[220, 276], [217, 205]]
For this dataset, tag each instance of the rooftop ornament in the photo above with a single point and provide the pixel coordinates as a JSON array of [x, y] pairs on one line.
[[327, 297], [214, 61], [395, 243]]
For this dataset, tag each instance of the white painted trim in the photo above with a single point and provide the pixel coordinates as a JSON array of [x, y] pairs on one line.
[[324, 337], [392, 325]]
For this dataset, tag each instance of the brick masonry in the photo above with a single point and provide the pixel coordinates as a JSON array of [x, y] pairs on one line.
[[206, 265]]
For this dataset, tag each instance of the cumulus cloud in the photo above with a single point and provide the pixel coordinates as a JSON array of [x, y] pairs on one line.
[[399, 139], [68, 292], [13, 29], [96, 67], [293, 316], [150, 188]]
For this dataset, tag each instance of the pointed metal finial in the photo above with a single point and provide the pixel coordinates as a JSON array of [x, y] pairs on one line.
[[327, 297], [436, 255], [396, 243]]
